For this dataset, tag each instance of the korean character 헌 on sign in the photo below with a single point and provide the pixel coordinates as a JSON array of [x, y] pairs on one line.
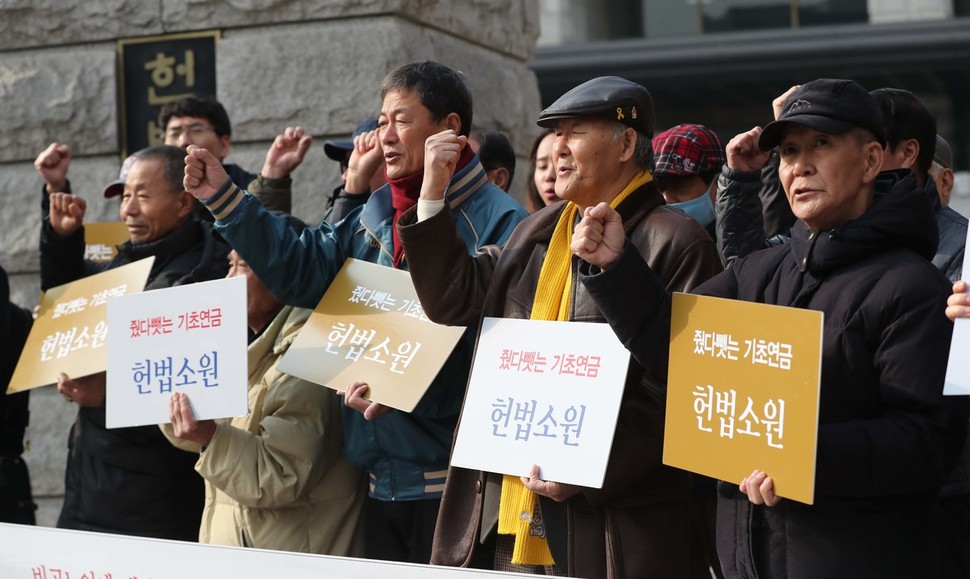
[[47, 347], [704, 406], [338, 337], [163, 72], [501, 411], [141, 375]]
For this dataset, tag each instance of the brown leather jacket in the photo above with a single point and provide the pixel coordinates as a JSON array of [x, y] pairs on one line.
[[637, 524]]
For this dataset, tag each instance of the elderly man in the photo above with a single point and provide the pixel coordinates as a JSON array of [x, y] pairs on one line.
[[636, 525], [406, 455], [131, 480], [860, 253]]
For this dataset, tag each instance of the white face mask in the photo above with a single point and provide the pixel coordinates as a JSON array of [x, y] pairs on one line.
[[701, 209]]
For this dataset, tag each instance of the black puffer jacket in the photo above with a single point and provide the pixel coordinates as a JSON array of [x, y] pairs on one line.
[[887, 437], [132, 480]]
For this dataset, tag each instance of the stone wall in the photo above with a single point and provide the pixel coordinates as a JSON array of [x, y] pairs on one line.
[[312, 63]]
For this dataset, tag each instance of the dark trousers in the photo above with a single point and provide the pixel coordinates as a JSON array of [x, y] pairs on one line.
[[400, 530], [955, 512], [16, 502]]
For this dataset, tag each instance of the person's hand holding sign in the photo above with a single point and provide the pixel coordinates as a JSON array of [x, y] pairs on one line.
[[185, 425], [354, 398], [86, 391], [555, 491], [760, 489], [958, 304]]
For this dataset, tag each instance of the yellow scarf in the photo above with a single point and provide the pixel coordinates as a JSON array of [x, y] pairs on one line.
[[518, 506]]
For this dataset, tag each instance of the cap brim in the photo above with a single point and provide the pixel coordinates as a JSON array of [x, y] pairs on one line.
[[114, 189], [549, 121], [771, 135], [337, 150]]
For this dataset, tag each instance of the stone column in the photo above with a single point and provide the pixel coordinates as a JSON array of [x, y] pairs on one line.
[[312, 63]]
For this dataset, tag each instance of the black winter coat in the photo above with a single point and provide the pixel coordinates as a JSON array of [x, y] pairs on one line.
[[16, 503], [132, 480], [887, 437]]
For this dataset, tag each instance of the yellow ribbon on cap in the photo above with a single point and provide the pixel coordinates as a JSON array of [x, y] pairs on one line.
[[619, 113]]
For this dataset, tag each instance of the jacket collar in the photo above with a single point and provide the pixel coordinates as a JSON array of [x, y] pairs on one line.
[[632, 210], [277, 336], [463, 185], [900, 216], [175, 243]]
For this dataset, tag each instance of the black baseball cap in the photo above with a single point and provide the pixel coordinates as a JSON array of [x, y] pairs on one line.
[[337, 150], [829, 105], [610, 97]]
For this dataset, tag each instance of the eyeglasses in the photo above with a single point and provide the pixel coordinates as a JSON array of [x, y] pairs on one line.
[[193, 130]]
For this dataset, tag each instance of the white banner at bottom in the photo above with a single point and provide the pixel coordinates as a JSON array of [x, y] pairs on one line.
[[44, 553]]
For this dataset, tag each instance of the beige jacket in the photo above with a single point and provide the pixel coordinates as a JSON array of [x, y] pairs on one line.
[[277, 477]]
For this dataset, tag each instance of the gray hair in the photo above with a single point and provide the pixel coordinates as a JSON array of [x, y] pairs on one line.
[[643, 150], [172, 160]]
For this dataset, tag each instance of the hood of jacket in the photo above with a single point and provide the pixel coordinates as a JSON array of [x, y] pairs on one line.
[[900, 216]]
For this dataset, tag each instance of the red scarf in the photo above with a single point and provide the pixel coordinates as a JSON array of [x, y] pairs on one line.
[[404, 195]]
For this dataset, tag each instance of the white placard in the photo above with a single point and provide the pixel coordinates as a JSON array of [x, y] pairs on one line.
[[543, 393], [957, 380], [28, 552], [189, 339]]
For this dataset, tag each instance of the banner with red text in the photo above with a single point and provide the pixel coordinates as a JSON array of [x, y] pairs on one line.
[[543, 393], [189, 339]]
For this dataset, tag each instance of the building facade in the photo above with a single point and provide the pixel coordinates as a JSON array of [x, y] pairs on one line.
[[721, 62]]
